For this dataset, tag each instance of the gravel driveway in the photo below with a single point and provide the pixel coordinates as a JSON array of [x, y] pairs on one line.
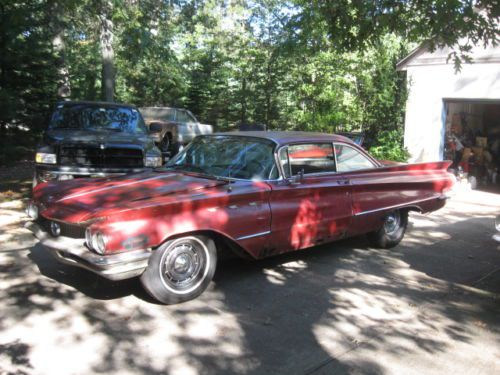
[[429, 306]]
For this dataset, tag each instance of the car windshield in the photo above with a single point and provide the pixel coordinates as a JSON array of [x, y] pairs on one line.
[[98, 117], [228, 156]]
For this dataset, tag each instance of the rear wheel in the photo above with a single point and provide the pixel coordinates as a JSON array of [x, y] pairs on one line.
[[180, 269], [392, 231]]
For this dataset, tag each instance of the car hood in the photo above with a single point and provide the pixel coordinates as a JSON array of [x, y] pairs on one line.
[[59, 136], [81, 200]]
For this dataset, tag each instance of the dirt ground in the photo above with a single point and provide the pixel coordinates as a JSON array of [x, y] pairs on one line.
[[16, 181], [429, 306]]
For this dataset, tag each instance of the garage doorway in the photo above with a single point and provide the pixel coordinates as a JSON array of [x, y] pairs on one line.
[[472, 140]]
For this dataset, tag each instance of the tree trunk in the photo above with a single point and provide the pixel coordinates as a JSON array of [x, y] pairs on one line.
[[107, 52], [59, 48], [64, 85], [243, 117], [3, 69]]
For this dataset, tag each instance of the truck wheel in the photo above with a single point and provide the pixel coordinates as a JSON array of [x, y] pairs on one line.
[[165, 143], [180, 269], [392, 231]]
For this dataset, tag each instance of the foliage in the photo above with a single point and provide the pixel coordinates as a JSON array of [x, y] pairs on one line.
[[287, 64], [389, 146], [352, 25]]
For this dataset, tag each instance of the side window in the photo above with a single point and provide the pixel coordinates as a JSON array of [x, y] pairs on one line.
[[283, 156], [310, 158], [190, 117], [350, 159], [182, 116]]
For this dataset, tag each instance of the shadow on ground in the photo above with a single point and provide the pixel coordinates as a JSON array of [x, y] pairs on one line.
[[300, 313]]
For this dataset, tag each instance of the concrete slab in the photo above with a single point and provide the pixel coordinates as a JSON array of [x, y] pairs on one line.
[[427, 306]]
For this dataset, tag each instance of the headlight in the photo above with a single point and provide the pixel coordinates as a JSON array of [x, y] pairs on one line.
[[497, 223], [152, 161], [99, 242], [55, 229], [96, 241], [32, 211], [44, 158]]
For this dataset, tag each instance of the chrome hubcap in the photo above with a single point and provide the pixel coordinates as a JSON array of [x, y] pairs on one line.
[[183, 265], [392, 222]]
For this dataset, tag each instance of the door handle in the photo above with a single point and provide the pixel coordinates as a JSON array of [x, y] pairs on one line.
[[343, 182]]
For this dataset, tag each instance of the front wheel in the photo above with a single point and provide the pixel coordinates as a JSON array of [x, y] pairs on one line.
[[392, 231], [180, 269]]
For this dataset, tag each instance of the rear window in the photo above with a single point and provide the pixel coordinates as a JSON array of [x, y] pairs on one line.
[[350, 159]]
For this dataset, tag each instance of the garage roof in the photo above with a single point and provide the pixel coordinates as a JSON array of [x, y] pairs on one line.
[[422, 56]]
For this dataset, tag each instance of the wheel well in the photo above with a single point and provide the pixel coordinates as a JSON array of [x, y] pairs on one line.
[[413, 209], [226, 247]]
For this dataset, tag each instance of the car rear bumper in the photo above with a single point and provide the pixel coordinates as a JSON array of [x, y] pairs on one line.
[[72, 251]]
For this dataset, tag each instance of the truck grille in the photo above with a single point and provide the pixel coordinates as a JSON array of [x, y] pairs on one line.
[[94, 156]]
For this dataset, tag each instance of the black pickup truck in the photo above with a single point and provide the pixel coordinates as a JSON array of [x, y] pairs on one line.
[[86, 139]]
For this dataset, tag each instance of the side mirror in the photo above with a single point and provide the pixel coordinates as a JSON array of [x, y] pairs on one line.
[[296, 179]]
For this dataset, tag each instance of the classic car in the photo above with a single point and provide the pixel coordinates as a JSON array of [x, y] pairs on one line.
[[85, 139], [255, 193]]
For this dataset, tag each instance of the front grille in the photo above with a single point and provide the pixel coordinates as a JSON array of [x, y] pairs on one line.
[[67, 230], [94, 156]]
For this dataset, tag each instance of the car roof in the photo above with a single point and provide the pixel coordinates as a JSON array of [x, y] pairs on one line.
[[107, 104], [286, 137]]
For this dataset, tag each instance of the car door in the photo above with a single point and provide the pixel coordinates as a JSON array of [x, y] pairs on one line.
[[367, 187], [312, 204]]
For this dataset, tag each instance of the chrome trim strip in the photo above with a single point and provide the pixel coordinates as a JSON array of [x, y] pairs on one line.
[[253, 235], [397, 205]]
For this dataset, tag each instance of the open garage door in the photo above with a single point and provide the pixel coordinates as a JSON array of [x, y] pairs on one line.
[[472, 140]]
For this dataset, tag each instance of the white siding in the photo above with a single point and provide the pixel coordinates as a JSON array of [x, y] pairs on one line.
[[429, 86]]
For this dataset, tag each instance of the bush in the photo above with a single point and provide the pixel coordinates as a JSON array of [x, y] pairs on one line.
[[389, 146]]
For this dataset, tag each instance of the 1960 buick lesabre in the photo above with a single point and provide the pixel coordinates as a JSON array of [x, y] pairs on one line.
[[257, 193]]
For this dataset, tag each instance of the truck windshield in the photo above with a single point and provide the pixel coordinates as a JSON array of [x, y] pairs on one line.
[[98, 117], [228, 156]]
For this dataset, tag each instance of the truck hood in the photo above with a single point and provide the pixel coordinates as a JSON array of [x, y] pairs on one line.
[[80, 200], [60, 136]]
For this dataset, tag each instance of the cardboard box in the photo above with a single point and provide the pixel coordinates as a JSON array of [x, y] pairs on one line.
[[478, 154], [482, 142], [466, 154]]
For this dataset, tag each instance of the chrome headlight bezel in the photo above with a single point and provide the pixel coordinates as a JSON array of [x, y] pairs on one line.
[[45, 158], [152, 161], [88, 238], [99, 242]]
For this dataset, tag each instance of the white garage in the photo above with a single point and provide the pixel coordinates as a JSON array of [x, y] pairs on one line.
[[453, 115]]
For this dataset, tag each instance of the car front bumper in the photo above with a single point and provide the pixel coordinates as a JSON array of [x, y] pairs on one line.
[[72, 251]]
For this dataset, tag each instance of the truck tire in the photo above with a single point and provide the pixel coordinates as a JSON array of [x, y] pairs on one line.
[[180, 269], [392, 231]]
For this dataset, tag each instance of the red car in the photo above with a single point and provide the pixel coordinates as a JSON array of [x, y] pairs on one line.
[[256, 193]]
